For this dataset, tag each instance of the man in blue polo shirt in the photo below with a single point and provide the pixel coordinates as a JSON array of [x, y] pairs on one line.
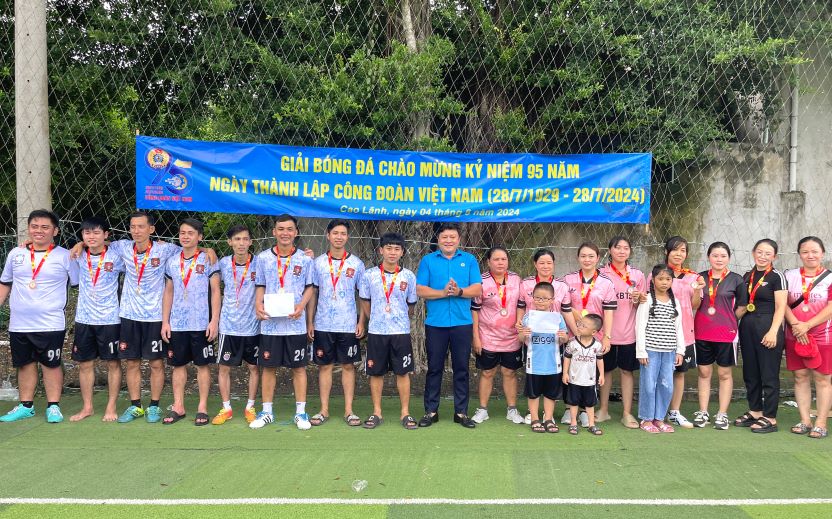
[[447, 280]]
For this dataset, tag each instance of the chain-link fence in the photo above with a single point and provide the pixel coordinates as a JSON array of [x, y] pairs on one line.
[[704, 85]]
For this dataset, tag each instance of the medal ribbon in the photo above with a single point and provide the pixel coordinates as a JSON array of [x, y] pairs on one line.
[[332, 275], [36, 271], [281, 273], [711, 288], [753, 291], [238, 288], [585, 292], [625, 276], [389, 291], [537, 279], [808, 288], [140, 272], [187, 279], [501, 289], [94, 278]]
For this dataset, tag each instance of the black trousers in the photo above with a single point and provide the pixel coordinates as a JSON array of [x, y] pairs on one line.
[[761, 365], [438, 340]]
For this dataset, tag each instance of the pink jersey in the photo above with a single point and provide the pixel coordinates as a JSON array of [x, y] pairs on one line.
[[497, 331], [562, 301], [602, 296], [624, 318], [819, 297]]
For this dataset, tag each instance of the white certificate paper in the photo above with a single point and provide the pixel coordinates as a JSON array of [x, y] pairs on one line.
[[279, 305], [542, 322]]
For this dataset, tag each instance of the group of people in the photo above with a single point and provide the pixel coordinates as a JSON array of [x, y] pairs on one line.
[[141, 299]]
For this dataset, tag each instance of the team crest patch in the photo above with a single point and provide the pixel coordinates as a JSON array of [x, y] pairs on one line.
[[320, 353], [297, 270], [200, 269], [350, 272], [253, 275], [18, 259], [155, 262], [403, 286], [226, 356], [122, 346], [266, 355], [108, 266]]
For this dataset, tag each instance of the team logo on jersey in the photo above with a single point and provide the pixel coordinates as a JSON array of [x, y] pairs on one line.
[[18, 259], [297, 270], [200, 269], [155, 262], [253, 275], [157, 158], [403, 286], [350, 272], [122, 346], [266, 355], [108, 266], [226, 356]]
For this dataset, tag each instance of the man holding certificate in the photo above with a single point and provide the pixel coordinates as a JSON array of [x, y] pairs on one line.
[[284, 287]]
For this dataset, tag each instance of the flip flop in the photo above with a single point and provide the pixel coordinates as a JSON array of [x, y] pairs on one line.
[[629, 421], [201, 419], [173, 417], [352, 420], [318, 419]]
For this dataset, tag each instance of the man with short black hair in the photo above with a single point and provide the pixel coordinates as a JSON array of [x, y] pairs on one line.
[[35, 279], [448, 279]]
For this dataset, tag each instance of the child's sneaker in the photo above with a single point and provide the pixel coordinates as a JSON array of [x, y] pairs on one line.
[[676, 418], [663, 427], [701, 418], [721, 422], [480, 415], [648, 426], [513, 416]]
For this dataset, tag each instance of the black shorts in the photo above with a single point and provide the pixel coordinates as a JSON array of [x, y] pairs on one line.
[[335, 347], [507, 359], [689, 360], [288, 351], [43, 347], [141, 340], [581, 396], [94, 341], [234, 349], [548, 386], [389, 353], [723, 353], [186, 347], [621, 356]]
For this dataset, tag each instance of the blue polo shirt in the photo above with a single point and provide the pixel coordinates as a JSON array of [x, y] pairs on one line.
[[435, 270]]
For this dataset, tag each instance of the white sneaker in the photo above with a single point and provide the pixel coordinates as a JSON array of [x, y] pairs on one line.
[[480, 415], [528, 419], [513, 416], [677, 419], [302, 421], [584, 419], [701, 418], [262, 420], [567, 417]]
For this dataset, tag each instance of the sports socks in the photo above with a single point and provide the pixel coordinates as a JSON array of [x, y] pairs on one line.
[[227, 405], [137, 402], [154, 403], [300, 407], [267, 407], [50, 404], [27, 403], [249, 404]]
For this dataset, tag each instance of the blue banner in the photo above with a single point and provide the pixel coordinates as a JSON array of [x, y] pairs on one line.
[[391, 185]]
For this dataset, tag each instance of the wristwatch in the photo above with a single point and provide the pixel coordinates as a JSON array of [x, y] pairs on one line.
[[459, 294]]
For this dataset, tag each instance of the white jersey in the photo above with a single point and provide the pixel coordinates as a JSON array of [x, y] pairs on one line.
[[582, 366], [403, 294], [295, 280], [143, 302], [238, 317], [38, 309], [338, 314], [98, 304], [191, 309]]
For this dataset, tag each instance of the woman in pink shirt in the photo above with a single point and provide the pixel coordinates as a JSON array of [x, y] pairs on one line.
[[808, 314], [495, 341], [592, 292], [687, 289], [544, 266], [630, 287]]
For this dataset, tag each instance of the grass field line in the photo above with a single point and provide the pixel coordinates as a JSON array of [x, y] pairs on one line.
[[415, 501]]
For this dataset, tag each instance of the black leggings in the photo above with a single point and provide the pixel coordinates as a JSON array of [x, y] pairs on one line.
[[761, 365]]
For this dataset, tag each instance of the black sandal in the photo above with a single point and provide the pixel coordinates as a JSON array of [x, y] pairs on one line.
[[409, 423], [201, 419], [372, 421], [537, 426], [550, 426], [173, 417], [765, 426], [745, 420]]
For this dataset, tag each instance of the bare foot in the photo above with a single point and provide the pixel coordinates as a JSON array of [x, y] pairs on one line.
[[110, 416], [81, 415]]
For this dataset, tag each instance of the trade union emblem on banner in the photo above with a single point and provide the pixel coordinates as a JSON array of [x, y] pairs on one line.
[[174, 176]]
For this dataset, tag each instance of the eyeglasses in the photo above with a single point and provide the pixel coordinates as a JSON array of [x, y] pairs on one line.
[[542, 299]]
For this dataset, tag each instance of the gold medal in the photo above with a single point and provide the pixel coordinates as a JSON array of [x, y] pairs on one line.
[[504, 312], [387, 309], [711, 310], [584, 312], [805, 308], [32, 284], [751, 307]]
